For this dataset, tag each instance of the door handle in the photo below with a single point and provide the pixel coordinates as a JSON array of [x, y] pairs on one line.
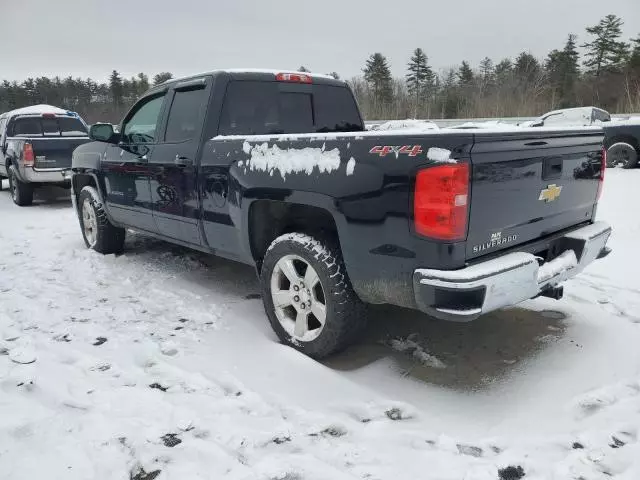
[[181, 161]]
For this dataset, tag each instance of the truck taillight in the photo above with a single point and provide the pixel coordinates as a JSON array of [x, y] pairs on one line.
[[440, 202], [27, 155], [603, 167], [294, 77]]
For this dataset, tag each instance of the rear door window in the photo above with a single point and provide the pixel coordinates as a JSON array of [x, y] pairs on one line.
[[184, 117], [263, 108]]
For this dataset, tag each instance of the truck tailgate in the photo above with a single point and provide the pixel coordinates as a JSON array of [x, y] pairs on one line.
[[55, 152], [526, 185]]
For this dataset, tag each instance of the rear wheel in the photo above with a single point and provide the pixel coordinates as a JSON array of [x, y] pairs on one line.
[[622, 153], [308, 297], [98, 232], [21, 193]]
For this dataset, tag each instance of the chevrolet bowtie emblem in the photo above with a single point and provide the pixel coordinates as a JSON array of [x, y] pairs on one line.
[[550, 193]]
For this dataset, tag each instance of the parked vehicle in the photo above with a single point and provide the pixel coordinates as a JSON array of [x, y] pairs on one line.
[[36, 145], [622, 140], [275, 170], [572, 117]]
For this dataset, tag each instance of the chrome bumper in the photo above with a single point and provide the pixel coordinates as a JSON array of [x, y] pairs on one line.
[[45, 175], [467, 293]]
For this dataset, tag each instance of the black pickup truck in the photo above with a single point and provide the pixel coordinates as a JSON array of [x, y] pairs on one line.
[[276, 170], [622, 140], [36, 145]]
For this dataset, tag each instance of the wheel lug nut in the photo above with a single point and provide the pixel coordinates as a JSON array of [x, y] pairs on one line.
[[296, 298], [296, 288], [302, 306]]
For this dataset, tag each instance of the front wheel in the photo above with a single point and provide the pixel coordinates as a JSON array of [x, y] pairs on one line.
[[622, 153], [98, 232], [307, 295], [21, 193]]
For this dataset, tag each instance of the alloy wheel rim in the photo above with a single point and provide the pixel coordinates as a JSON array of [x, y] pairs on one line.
[[298, 298], [89, 223]]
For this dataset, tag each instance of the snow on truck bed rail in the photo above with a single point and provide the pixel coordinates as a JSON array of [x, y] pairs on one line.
[[283, 137]]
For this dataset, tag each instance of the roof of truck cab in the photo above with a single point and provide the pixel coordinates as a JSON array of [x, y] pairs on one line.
[[253, 73], [35, 110]]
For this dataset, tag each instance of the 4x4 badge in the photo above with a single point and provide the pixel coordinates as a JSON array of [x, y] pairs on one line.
[[550, 193]]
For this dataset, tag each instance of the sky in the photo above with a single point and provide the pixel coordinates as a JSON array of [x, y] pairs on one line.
[[90, 38]]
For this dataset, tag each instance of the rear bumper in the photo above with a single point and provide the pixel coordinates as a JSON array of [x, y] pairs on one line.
[[465, 294], [45, 175]]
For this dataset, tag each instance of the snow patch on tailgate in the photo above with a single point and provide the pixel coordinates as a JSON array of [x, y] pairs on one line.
[[291, 160]]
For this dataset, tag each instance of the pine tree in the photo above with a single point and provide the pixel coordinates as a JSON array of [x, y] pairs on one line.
[[504, 71], [634, 58], [487, 73], [606, 52], [161, 78], [420, 79], [303, 69], [378, 75], [116, 88], [335, 75], [465, 74], [487, 70], [143, 83], [527, 68], [562, 70]]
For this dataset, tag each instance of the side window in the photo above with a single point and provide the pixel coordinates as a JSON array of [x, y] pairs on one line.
[[185, 114], [555, 119], [140, 127], [601, 116]]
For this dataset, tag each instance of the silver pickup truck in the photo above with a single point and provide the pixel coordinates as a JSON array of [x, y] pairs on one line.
[[36, 145]]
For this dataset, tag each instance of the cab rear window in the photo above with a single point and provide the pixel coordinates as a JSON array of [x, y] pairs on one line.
[[48, 127], [264, 108]]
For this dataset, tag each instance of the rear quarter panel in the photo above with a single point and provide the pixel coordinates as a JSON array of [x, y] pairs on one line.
[[371, 204]]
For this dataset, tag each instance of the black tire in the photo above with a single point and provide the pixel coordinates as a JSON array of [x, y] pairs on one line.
[[21, 193], [623, 153], [108, 238], [345, 313]]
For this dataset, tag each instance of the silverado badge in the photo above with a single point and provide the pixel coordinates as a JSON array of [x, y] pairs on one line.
[[495, 240], [550, 193]]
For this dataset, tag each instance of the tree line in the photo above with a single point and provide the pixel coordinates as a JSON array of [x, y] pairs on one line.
[[104, 102], [606, 75]]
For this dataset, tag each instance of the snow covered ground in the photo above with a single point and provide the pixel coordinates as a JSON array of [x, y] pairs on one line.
[[160, 364]]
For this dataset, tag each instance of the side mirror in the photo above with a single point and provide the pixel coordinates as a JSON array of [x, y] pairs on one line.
[[101, 132], [537, 124]]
